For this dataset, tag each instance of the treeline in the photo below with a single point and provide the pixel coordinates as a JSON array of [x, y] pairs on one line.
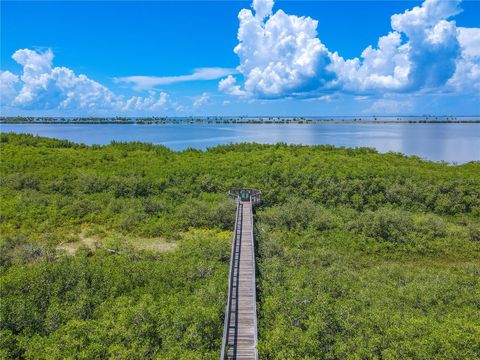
[[360, 254], [241, 120]]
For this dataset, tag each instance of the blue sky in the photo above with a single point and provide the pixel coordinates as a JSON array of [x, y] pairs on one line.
[[177, 58]]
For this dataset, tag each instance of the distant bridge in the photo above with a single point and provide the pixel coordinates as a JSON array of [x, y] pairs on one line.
[[240, 329]]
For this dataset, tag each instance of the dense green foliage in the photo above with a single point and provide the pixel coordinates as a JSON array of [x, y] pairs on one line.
[[388, 284], [97, 304], [121, 251]]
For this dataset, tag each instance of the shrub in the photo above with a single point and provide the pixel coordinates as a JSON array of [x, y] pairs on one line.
[[433, 226], [384, 224], [294, 213], [473, 232]]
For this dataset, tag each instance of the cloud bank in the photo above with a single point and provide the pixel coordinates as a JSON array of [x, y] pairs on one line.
[[281, 56], [41, 86]]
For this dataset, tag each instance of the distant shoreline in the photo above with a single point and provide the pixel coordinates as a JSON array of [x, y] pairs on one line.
[[246, 120]]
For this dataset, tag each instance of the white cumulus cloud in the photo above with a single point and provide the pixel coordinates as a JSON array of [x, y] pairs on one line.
[[280, 55], [467, 73], [263, 8], [384, 67], [469, 39], [433, 46], [44, 86], [150, 103], [201, 100], [8, 81], [229, 86]]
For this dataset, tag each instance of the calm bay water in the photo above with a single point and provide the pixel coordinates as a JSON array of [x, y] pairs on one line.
[[457, 143]]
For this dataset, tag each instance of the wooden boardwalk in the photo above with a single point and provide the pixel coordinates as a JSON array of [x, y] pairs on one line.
[[240, 330]]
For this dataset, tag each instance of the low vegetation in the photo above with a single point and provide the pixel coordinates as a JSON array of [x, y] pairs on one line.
[[385, 283], [122, 251]]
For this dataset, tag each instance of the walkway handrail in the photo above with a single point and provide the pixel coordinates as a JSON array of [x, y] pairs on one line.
[[228, 309], [255, 195], [254, 286]]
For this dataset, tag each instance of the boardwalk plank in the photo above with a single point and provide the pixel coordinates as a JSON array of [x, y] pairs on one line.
[[242, 330]]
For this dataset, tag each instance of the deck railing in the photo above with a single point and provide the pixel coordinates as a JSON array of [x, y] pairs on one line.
[[254, 194], [237, 233]]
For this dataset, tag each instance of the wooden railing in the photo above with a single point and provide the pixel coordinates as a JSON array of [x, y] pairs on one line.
[[240, 196], [237, 233], [254, 194]]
